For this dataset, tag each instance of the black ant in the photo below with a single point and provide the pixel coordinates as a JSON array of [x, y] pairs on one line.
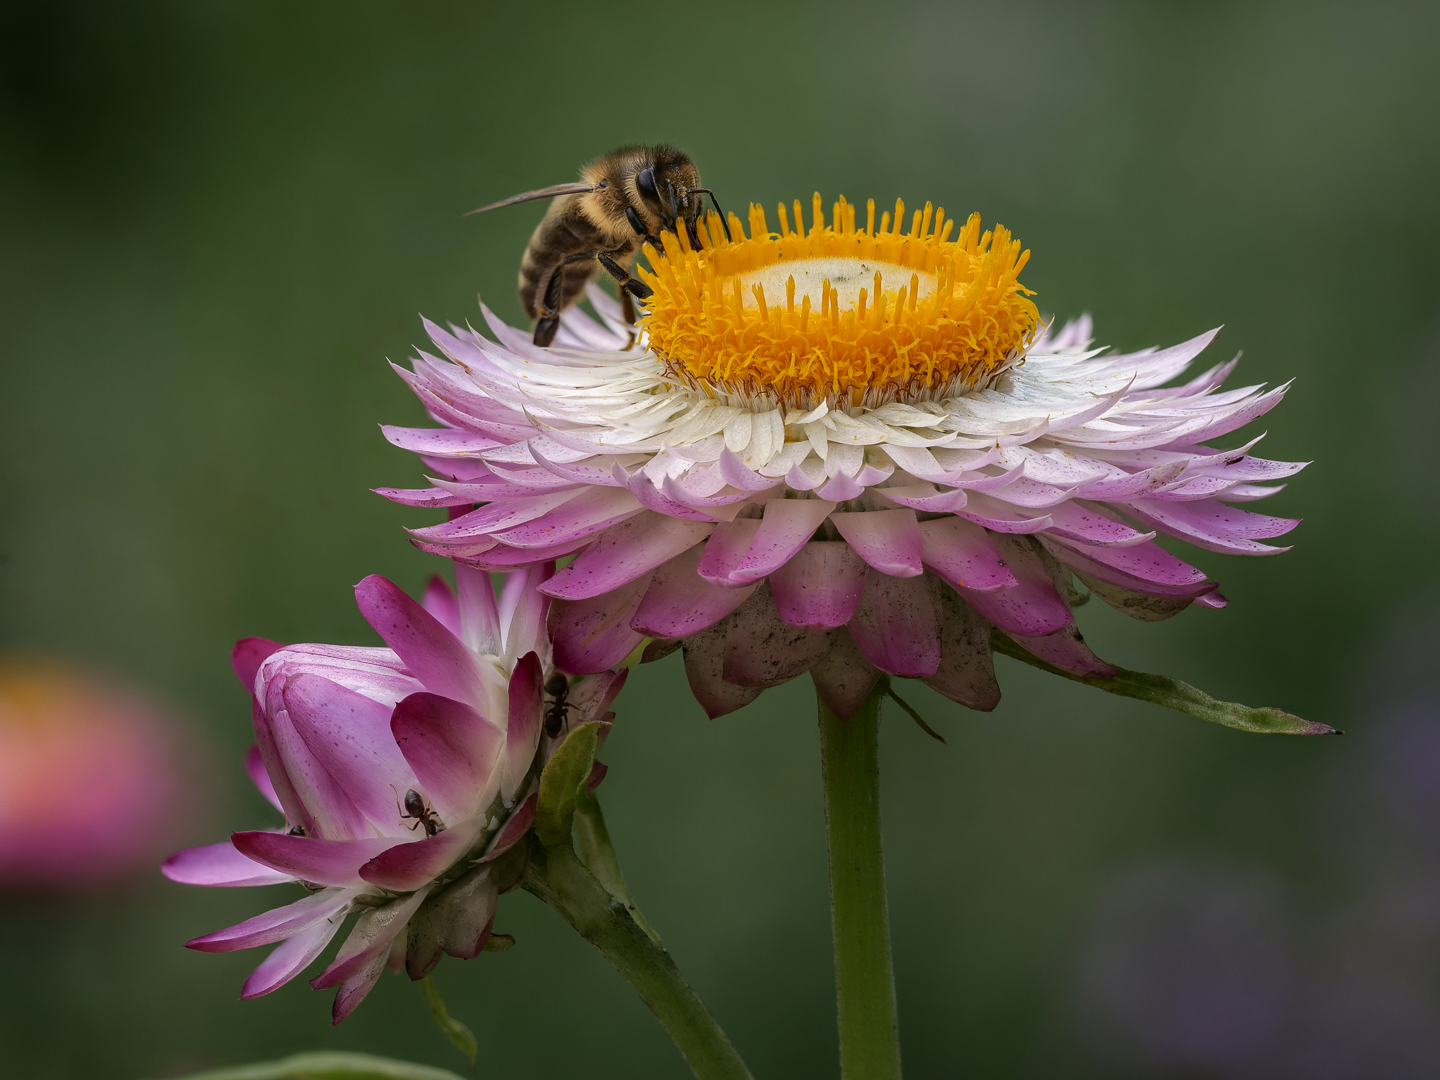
[[415, 808], [558, 687]]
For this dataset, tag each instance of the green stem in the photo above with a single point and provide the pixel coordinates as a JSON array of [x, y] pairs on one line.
[[598, 853], [558, 877], [864, 976]]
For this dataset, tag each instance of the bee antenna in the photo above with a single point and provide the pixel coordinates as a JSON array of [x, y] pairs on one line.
[[706, 191]]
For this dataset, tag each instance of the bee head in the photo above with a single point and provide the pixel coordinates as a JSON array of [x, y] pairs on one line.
[[665, 186]]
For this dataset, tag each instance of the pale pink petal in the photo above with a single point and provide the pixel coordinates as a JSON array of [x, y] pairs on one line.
[[624, 552], [323, 862], [433, 654], [479, 617], [405, 867], [440, 602], [592, 635], [349, 735], [963, 554], [522, 735], [362, 958], [1066, 649], [724, 550], [514, 828], [897, 625], [593, 510], [889, 540], [679, 602], [524, 608], [247, 656], [289, 959], [276, 924], [219, 864], [451, 748], [784, 529], [255, 766], [820, 586], [1032, 606]]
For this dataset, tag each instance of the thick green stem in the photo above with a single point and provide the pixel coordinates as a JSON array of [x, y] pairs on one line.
[[864, 976], [598, 853], [560, 879]]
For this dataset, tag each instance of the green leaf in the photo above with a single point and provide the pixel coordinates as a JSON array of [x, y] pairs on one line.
[[1173, 694], [329, 1067], [458, 1034], [563, 782]]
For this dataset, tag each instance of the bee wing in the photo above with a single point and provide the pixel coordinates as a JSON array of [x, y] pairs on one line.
[[573, 188]]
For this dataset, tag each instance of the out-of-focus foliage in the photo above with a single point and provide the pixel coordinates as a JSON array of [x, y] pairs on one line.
[[219, 219]]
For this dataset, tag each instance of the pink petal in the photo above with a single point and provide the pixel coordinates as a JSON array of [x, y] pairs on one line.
[[1214, 526], [440, 602], [967, 670], [433, 654], [889, 540], [624, 552], [1001, 517], [452, 748], [524, 609], [1032, 606], [724, 550], [247, 656], [962, 553], [323, 807], [522, 733], [497, 517], [478, 616], [1093, 525], [516, 826], [440, 442], [784, 529], [844, 678], [679, 602], [362, 958], [274, 765], [596, 508], [594, 634], [897, 625], [323, 862], [1066, 649], [1147, 562], [255, 766], [276, 924], [405, 867], [349, 735], [820, 586], [704, 670], [763, 650], [219, 864], [289, 959]]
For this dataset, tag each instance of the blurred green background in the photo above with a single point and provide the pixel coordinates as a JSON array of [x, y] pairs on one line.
[[218, 221]]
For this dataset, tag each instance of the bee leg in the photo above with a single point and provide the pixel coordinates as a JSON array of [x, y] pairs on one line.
[[639, 227], [638, 289], [549, 321]]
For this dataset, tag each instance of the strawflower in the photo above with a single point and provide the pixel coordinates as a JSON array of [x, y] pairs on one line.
[[407, 776], [843, 450]]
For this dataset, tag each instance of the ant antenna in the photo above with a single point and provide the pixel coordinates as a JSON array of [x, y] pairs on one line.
[[706, 191]]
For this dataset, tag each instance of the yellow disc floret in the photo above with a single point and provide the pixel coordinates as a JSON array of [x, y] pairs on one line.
[[838, 311]]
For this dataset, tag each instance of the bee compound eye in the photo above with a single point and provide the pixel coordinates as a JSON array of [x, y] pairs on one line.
[[645, 183]]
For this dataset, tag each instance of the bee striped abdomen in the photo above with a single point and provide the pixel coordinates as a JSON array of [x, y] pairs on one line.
[[562, 231]]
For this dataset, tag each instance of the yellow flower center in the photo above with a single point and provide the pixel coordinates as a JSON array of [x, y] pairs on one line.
[[871, 314]]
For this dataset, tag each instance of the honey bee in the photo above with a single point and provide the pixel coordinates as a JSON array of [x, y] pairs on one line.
[[624, 199]]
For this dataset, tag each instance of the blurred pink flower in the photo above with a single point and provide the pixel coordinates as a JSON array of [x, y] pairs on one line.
[[89, 777], [406, 776]]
